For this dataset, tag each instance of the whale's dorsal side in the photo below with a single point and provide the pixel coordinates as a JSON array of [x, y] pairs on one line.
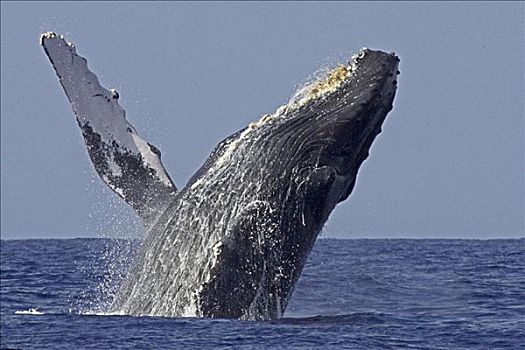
[[128, 164]]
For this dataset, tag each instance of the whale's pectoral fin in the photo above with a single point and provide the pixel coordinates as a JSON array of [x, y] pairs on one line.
[[129, 165]]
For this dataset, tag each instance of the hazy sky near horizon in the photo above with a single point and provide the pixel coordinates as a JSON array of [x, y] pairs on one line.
[[449, 163]]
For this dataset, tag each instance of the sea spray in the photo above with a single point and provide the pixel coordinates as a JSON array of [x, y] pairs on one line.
[[108, 257]]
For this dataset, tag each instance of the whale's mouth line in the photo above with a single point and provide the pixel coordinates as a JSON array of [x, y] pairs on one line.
[[348, 160]]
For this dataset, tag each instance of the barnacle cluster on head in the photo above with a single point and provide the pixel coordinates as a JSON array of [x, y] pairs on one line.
[[333, 79], [326, 83]]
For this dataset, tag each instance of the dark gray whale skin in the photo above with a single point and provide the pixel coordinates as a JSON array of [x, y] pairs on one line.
[[234, 240]]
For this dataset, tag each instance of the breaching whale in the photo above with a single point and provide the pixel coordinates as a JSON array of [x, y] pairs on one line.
[[232, 243]]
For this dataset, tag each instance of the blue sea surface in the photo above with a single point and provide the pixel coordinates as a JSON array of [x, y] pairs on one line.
[[353, 294]]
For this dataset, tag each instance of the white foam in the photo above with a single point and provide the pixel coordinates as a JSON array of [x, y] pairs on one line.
[[30, 311]]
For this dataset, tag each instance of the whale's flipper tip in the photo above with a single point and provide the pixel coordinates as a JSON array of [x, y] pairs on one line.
[[46, 35]]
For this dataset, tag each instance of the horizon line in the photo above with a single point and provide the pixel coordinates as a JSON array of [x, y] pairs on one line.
[[318, 238]]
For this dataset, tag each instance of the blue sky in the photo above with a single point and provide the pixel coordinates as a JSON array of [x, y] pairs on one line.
[[449, 163]]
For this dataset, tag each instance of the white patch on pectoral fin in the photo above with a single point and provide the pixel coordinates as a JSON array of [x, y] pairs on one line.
[[129, 165]]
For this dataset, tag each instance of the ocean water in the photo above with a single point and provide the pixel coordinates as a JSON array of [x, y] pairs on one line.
[[353, 294]]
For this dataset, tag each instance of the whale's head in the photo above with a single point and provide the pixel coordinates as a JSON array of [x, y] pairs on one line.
[[313, 146], [280, 178], [329, 134]]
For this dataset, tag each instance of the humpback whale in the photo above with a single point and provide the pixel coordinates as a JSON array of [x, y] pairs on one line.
[[233, 241]]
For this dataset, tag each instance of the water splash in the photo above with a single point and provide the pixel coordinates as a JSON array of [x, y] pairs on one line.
[[107, 264], [31, 311]]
